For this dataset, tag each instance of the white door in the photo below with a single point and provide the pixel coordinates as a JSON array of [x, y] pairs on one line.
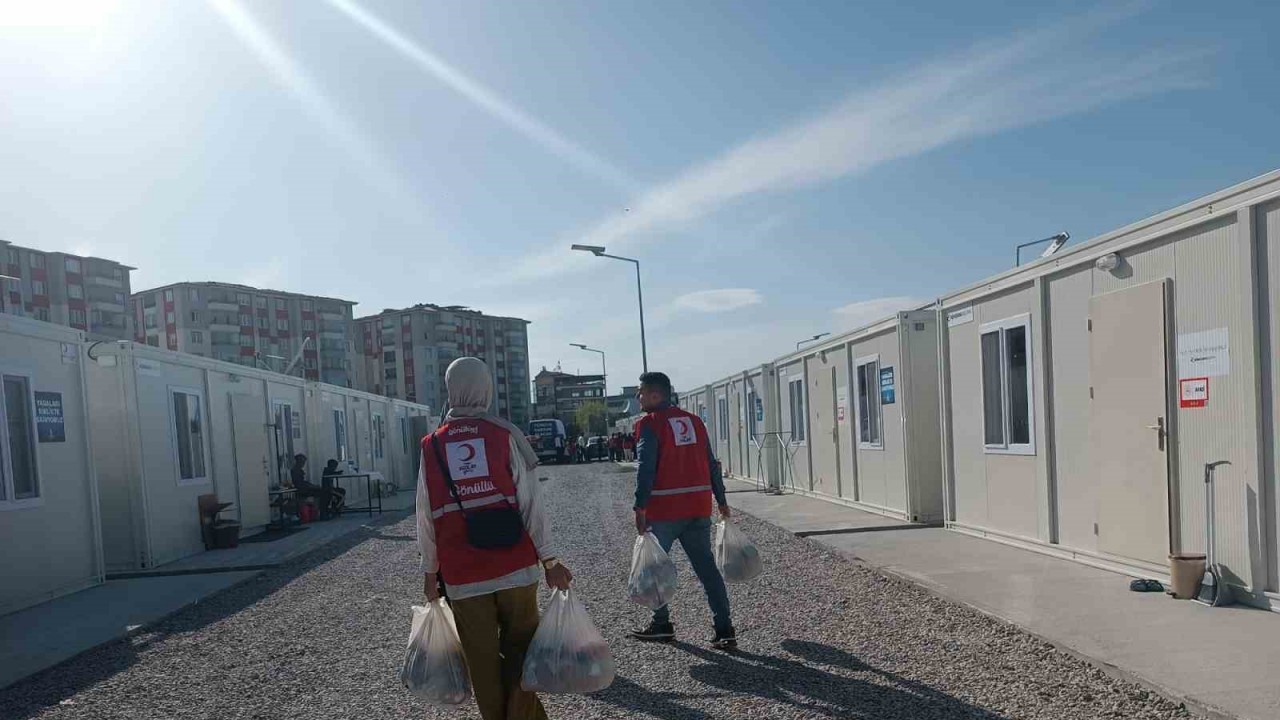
[[364, 449], [1128, 420], [253, 458]]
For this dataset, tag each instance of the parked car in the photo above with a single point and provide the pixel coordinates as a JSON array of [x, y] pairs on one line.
[[597, 448], [548, 439]]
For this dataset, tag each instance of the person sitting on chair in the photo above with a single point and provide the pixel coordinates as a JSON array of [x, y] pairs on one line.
[[338, 496]]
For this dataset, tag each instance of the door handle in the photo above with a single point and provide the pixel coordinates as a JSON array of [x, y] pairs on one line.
[[1160, 432]]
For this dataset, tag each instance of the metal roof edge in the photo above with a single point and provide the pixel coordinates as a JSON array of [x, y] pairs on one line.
[[1081, 253]]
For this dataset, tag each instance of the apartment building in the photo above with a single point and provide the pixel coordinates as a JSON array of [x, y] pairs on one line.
[[86, 293], [404, 354], [267, 329], [559, 394]]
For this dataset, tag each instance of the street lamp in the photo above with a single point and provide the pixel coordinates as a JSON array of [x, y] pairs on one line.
[[819, 336], [1057, 242], [598, 251], [604, 379]]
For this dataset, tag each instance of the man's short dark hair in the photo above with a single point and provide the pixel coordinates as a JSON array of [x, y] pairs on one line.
[[657, 380]]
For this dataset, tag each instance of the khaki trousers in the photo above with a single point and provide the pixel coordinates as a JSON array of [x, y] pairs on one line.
[[495, 630]]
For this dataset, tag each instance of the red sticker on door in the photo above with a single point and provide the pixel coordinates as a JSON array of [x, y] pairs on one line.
[[1193, 392]]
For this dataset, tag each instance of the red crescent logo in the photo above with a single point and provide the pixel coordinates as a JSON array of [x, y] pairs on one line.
[[471, 452], [683, 425]]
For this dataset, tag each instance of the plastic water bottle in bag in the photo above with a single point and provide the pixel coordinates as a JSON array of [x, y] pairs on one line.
[[435, 669], [737, 558], [567, 654], [653, 575]]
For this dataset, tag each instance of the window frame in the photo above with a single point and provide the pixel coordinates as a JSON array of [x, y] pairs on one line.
[[75, 291], [39, 287], [8, 501], [207, 478], [341, 440], [1002, 327], [873, 387], [798, 380], [722, 417], [379, 436]]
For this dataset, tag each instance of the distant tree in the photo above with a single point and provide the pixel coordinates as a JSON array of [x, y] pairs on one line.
[[591, 416]]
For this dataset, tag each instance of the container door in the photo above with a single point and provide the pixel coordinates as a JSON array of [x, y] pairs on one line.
[[250, 433], [364, 448], [1128, 421], [823, 434]]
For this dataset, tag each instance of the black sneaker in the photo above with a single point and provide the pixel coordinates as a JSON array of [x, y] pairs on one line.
[[656, 632], [725, 640]]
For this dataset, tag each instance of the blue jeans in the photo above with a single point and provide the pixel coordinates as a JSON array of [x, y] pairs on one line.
[[695, 537]]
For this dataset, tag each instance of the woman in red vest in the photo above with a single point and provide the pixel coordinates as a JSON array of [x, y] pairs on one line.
[[678, 478], [482, 527]]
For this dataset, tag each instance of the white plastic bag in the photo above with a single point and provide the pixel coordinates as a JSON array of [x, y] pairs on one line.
[[653, 575], [567, 654], [435, 669], [737, 558]]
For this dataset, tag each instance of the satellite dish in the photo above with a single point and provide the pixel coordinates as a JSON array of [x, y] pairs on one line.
[[1058, 241]]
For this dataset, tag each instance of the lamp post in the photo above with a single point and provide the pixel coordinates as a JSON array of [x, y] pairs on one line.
[[604, 380], [1058, 241], [598, 251], [819, 336]]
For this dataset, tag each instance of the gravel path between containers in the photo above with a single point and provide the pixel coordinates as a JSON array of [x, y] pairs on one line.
[[820, 637]]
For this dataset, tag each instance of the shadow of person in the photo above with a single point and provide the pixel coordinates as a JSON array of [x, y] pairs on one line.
[[802, 685], [628, 695]]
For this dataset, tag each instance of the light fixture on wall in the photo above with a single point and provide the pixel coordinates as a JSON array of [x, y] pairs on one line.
[[1108, 262]]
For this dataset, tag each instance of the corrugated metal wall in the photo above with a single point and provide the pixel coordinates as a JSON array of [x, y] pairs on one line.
[[1268, 232], [920, 398], [993, 491]]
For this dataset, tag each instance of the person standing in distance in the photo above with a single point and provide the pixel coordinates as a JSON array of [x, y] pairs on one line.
[[677, 479], [483, 526]]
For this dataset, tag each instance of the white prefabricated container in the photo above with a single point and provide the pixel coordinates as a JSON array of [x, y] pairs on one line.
[[48, 504], [1085, 393], [861, 414], [171, 427]]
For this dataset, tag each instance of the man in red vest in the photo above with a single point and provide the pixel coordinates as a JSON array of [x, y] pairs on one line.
[[483, 527], [678, 478]]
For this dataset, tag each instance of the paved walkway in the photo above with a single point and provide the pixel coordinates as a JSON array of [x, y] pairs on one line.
[[1222, 661]]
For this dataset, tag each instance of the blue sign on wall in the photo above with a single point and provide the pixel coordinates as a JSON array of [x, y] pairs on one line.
[[50, 427], [886, 386], [759, 410]]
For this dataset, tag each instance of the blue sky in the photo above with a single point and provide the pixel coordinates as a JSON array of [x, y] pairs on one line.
[[781, 169]]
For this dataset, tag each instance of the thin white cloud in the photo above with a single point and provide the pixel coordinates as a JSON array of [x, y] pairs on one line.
[[294, 78], [722, 300], [865, 312], [1025, 79], [484, 98]]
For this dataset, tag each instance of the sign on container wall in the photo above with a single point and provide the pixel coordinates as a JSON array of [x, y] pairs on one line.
[[50, 425]]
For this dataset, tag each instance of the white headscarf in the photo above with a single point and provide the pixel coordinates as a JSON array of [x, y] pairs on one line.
[[471, 393]]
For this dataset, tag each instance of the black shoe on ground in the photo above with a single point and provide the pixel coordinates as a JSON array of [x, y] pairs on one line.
[[656, 632], [725, 639]]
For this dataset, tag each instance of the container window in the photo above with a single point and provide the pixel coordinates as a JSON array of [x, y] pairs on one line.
[[722, 418], [19, 476], [870, 412], [188, 427], [795, 390], [340, 434], [1007, 401]]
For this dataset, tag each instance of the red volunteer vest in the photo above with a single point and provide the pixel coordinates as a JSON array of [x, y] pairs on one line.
[[682, 488], [478, 455]]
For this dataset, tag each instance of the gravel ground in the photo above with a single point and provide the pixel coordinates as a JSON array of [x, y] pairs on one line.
[[820, 638]]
